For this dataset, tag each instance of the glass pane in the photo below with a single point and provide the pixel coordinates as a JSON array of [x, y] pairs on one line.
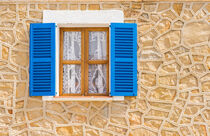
[[97, 78], [72, 46], [71, 79], [97, 45]]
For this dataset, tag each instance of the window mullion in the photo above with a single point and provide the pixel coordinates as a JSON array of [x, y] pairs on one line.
[[86, 46], [83, 62]]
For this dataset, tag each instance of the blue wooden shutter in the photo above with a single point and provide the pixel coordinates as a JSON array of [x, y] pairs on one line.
[[123, 59], [42, 59]]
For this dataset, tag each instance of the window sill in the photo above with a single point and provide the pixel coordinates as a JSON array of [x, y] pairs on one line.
[[83, 98]]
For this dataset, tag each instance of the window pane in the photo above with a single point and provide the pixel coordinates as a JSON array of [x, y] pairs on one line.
[[72, 46], [97, 78], [71, 79], [97, 45]]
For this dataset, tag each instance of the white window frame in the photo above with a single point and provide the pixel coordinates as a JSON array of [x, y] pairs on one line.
[[78, 18]]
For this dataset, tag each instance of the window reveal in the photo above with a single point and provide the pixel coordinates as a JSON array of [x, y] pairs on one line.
[[84, 61]]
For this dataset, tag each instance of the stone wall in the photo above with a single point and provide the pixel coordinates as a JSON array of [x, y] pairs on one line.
[[173, 75]]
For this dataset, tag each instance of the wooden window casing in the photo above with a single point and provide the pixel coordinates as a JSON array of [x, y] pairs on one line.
[[84, 62]]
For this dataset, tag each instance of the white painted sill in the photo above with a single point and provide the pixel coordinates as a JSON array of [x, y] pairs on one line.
[[83, 98]]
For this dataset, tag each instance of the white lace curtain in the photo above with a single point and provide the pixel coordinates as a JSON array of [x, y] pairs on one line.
[[97, 73], [72, 73]]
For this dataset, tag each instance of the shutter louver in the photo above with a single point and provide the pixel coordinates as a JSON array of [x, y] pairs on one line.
[[42, 59], [123, 59]]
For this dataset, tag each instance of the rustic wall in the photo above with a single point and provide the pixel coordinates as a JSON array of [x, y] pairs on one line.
[[173, 81]]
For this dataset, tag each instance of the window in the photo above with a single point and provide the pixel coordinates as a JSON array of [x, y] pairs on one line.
[[84, 61]]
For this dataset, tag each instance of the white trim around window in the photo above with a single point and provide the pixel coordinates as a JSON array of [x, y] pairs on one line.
[[67, 18]]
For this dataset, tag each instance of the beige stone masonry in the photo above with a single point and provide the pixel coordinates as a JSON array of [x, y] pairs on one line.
[[173, 74]]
